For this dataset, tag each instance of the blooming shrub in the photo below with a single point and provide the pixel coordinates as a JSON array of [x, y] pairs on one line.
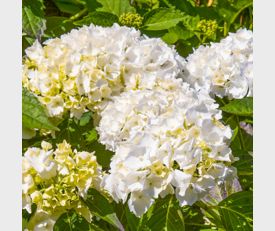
[[159, 94]]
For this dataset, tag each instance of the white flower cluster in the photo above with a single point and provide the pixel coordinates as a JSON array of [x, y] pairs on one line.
[[224, 68], [86, 66], [164, 142], [55, 180], [167, 136]]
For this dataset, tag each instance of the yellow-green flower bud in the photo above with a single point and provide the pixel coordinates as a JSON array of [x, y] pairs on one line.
[[131, 20], [208, 27]]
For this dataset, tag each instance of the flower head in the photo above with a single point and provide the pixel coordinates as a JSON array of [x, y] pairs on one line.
[[83, 69], [164, 142], [224, 68], [55, 180]]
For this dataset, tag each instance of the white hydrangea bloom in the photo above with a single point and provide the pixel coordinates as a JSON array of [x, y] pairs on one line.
[[41, 221], [42, 162], [81, 69], [224, 68], [164, 142], [55, 180]]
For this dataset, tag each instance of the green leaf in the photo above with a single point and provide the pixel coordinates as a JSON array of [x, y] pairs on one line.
[[207, 13], [102, 208], [85, 118], [166, 216], [33, 22], [241, 107], [116, 7], [24, 223], [68, 6], [162, 18], [242, 141], [191, 22], [103, 156], [184, 6], [132, 220], [245, 169], [71, 221], [91, 136], [230, 11], [25, 219], [92, 5], [28, 133], [235, 133], [241, 5], [225, 10], [170, 38], [154, 33], [237, 211], [26, 42], [98, 18], [57, 26], [176, 33], [185, 47], [193, 218], [34, 114]]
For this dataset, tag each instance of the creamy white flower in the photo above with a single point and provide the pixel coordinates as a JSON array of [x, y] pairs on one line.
[[139, 203], [54, 180], [197, 190], [42, 162], [27, 183], [164, 142], [27, 203], [84, 68], [41, 221], [55, 105], [224, 68]]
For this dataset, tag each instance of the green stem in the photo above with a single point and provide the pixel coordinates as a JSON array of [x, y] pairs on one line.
[[78, 15], [223, 102], [225, 29], [239, 11], [140, 224], [228, 119]]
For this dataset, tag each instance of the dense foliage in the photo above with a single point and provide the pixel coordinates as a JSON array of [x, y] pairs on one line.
[[185, 24]]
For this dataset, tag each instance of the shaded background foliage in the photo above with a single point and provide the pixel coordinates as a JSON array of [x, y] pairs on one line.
[[186, 24]]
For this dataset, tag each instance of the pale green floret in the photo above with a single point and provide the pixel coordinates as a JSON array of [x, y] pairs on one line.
[[131, 20]]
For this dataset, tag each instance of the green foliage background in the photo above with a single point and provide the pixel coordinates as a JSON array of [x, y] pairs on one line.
[[177, 23]]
